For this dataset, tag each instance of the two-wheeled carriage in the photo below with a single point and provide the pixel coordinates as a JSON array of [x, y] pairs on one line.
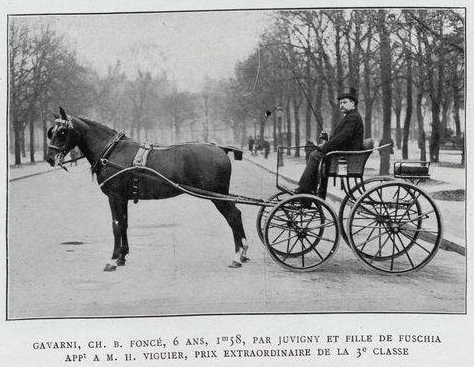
[[392, 226]]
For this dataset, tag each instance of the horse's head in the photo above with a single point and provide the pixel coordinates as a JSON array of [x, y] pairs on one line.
[[62, 138]]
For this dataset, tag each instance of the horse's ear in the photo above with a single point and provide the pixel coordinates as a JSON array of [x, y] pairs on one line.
[[62, 113]]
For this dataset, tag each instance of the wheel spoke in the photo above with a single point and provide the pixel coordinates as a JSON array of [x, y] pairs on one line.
[[302, 253], [413, 202], [373, 238], [289, 252], [368, 226], [275, 242], [314, 248], [406, 251], [325, 225], [380, 250], [312, 217], [421, 216], [283, 226], [383, 204], [414, 241], [370, 234], [362, 226], [320, 237]]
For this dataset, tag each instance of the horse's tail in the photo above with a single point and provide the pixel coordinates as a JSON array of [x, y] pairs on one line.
[[238, 153]]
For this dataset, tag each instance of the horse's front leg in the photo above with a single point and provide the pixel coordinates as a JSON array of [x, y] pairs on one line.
[[124, 226], [119, 209]]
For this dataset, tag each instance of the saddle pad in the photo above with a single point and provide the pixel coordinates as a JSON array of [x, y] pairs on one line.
[[141, 156]]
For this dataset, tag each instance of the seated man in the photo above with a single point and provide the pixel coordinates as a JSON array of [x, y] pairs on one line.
[[348, 135]]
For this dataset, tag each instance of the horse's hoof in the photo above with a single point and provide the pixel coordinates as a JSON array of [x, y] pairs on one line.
[[235, 264], [121, 262], [244, 259], [110, 267]]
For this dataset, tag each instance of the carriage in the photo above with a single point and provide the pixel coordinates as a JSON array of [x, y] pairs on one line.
[[392, 226]]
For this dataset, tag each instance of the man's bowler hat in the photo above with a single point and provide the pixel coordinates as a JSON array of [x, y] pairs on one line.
[[350, 93]]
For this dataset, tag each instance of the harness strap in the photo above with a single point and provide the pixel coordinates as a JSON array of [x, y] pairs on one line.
[[139, 161], [107, 149]]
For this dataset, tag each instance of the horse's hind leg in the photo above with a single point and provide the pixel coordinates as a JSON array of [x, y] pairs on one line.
[[119, 208], [234, 219]]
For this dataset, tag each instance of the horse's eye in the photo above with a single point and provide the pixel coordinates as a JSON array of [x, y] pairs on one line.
[[62, 133]]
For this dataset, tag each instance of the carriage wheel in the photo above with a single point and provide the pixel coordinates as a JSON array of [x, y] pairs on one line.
[[394, 228], [301, 233], [265, 210], [413, 214], [354, 193]]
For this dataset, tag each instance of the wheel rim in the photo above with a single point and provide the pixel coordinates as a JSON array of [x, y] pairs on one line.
[[395, 228], [263, 212], [301, 233]]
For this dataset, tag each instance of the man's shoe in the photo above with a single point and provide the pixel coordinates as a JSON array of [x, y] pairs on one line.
[[300, 190]]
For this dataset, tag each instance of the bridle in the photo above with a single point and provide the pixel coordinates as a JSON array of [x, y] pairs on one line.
[[68, 144]]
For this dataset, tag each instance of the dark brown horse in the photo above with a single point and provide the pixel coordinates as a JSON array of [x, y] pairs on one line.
[[111, 153]]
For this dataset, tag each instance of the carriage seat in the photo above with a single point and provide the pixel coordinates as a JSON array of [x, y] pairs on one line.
[[348, 163]]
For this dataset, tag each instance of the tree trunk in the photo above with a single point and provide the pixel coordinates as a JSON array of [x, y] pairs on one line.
[[456, 101], [288, 125], [31, 126], [296, 113], [368, 121], [339, 73], [45, 133], [17, 133], [406, 124], [444, 120], [398, 129], [275, 136], [421, 128], [367, 98], [308, 114], [385, 66], [435, 127], [317, 108], [262, 127], [22, 141]]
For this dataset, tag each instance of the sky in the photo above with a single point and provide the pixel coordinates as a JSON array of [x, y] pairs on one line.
[[189, 46]]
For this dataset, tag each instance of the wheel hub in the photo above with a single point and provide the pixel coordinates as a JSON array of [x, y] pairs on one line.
[[301, 232], [394, 228]]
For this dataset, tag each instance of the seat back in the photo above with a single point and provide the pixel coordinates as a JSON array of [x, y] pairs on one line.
[[348, 163]]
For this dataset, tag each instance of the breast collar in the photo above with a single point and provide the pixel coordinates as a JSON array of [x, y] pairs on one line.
[[107, 150]]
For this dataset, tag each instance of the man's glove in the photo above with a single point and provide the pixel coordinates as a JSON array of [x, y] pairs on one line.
[[324, 136]]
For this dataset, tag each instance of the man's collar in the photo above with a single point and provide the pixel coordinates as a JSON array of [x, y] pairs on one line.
[[351, 111]]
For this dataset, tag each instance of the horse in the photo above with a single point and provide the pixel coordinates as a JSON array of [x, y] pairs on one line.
[[111, 155]]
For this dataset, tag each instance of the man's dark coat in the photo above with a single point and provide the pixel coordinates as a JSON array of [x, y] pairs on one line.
[[348, 134]]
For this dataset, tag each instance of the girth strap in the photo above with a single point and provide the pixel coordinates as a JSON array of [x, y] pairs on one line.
[[139, 161]]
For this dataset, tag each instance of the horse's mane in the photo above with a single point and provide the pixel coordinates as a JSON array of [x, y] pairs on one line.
[[95, 123]]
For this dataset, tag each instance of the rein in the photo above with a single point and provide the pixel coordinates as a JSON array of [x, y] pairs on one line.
[[75, 159]]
